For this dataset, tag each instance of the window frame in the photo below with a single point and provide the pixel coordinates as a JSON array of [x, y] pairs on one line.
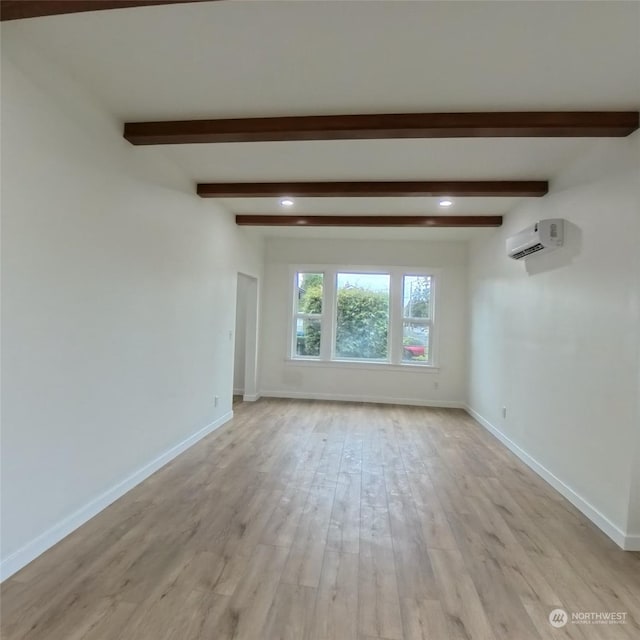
[[427, 322], [334, 317], [328, 318], [297, 315]]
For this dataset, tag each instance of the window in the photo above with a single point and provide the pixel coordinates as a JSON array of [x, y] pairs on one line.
[[376, 316], [362, 316], [416, 318], [308, 315]]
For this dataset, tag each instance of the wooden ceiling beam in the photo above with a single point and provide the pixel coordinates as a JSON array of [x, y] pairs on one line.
[[367, 221], [504, 188], [532, 124], [18, 9]]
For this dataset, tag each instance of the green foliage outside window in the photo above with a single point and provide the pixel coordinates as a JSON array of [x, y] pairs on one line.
[[362, 326], [363, 323], [311, 302]]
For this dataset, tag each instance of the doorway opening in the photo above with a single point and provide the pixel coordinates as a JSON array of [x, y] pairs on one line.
[[245, 360]]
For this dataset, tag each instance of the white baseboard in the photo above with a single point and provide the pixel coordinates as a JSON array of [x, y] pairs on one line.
[[46, 540], [624, 541], [304, 395], [632, 542], [238, 392], [251, 397]]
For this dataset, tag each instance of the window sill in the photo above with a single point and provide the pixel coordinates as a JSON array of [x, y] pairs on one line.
[[362, 366]]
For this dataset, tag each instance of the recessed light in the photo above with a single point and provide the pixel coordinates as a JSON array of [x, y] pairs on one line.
[[286, 202], [445, 203]]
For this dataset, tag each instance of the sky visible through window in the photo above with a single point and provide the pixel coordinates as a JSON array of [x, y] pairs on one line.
[[371, 281]]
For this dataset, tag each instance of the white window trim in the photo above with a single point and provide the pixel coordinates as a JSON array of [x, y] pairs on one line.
[[361, 365], [396, 318], [293, 335]]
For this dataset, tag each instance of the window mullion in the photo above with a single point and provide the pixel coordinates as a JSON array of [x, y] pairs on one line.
[[430, 346], [328, 309], [395, 318], [293, 337]]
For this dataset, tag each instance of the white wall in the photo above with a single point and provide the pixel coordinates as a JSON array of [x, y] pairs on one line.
[[317, 380], [241, 334], [118, 304], [633, 521], [558, 344]]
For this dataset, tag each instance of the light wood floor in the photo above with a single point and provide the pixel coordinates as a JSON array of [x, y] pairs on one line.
[[330, 521]]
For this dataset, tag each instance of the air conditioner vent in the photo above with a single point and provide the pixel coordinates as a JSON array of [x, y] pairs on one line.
[[528, 250]]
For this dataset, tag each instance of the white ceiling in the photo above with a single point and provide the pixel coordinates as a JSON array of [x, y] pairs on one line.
[[438, 159], [281, 58], [373, 233], [235, 59], [372, 206]]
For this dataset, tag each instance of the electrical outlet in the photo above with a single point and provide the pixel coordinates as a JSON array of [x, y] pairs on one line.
[[215, 401], [436, 384], [504, 412]]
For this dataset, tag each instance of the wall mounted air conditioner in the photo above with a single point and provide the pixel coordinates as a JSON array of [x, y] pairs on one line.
[[541, 237]]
